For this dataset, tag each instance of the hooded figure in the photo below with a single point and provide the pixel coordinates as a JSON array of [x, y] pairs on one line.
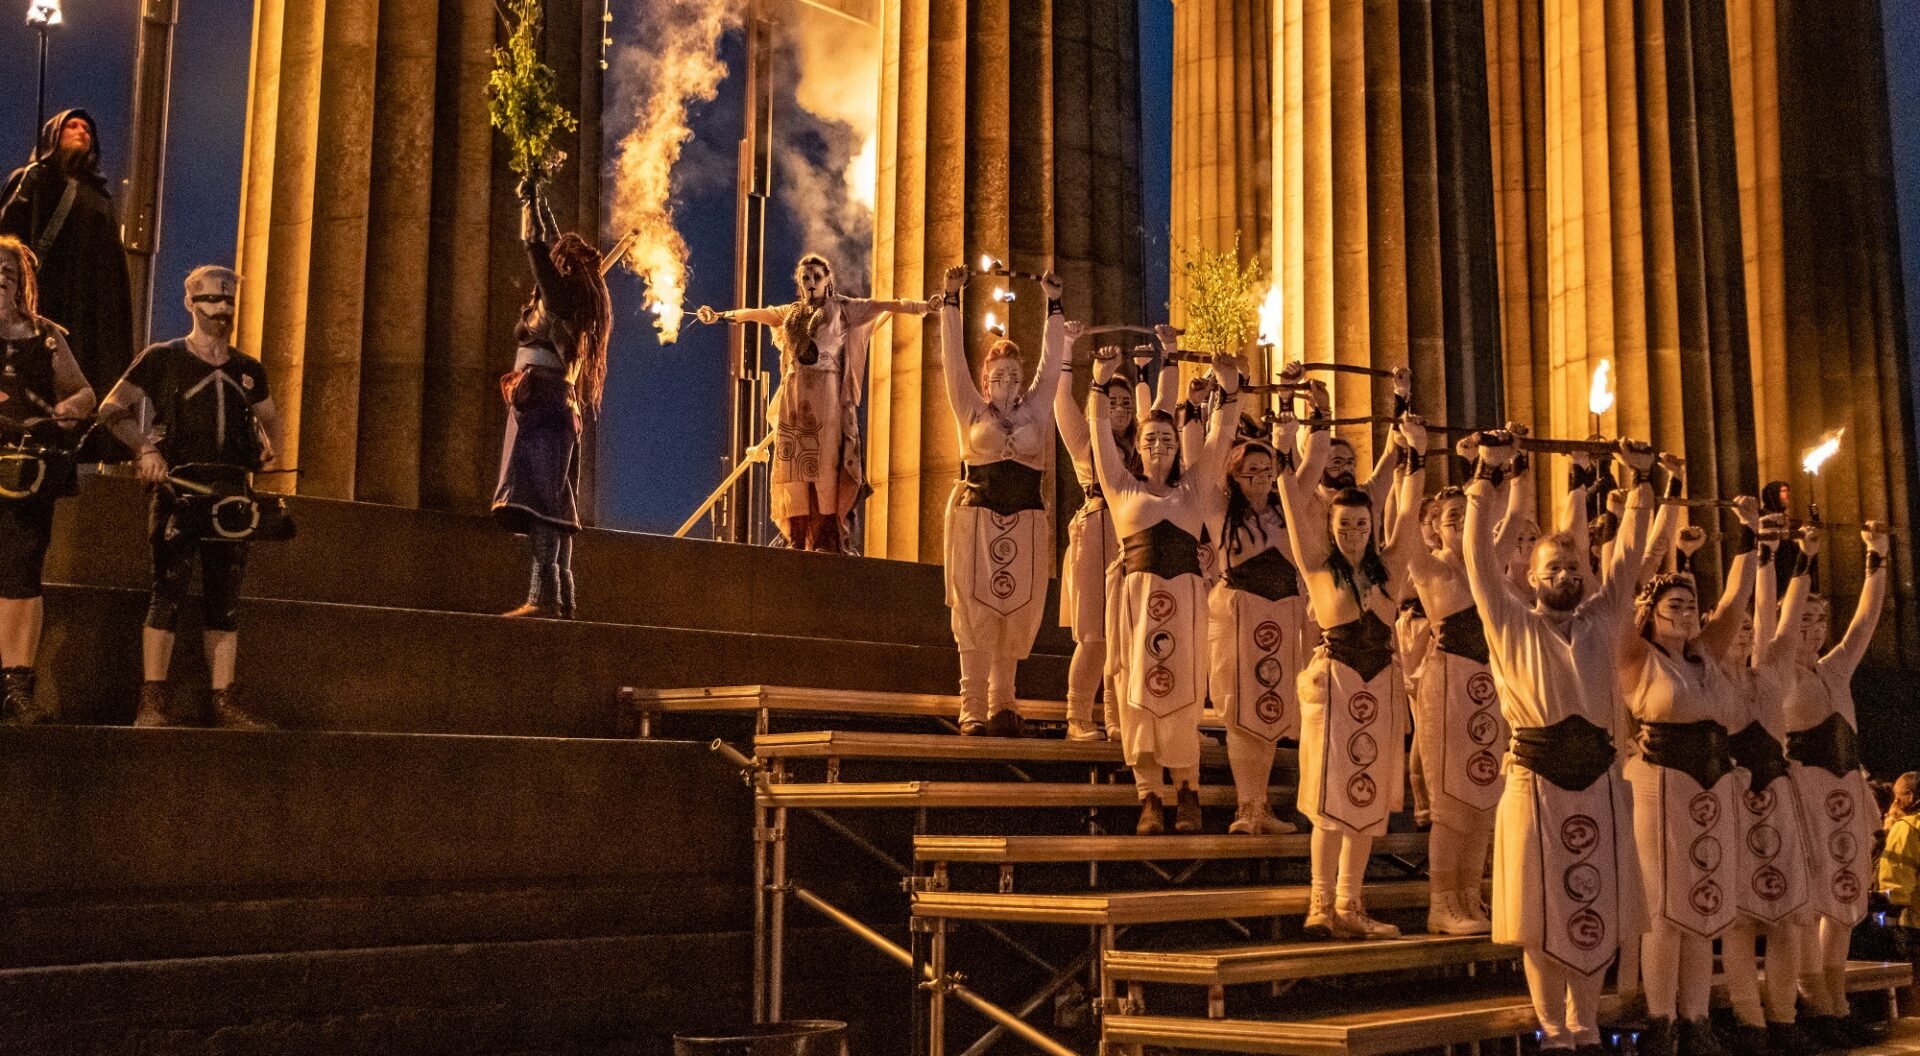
[[60, 207]]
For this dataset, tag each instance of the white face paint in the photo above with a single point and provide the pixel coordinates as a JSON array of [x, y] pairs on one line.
[[1159, 447], [211, 300], [813, 282], [1003, 383]]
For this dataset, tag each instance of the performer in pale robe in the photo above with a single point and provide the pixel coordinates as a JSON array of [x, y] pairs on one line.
[[1823, 755], [818, 470], [1257, 627], [1685, 789], [1565, 880], [1352, 695], [1159, 606], [1092, 546], [1773, 878], [999, 537]]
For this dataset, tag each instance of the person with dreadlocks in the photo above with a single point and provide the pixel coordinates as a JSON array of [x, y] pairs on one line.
[[1158, 607], [1258, 625], [819, 470], [1566, 885], [43, 395], [1684, 785], [1352, 694], [1823, 750], [558, 373], [1092, 546], [998, 532]]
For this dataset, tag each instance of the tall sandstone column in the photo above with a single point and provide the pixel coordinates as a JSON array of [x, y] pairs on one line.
[[1222, 136], [381, 266]]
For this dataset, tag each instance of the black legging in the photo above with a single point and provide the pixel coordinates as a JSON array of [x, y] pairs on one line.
[[552, 580]]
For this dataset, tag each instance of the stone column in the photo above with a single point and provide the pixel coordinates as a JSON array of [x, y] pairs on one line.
[[1222, 134]]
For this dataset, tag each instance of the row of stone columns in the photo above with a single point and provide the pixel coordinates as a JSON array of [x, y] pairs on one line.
[[1011, 129], [379, 238]]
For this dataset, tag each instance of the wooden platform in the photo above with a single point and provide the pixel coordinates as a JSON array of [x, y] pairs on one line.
[[794, 700], [972, 794], [1011, 850], [1228, 966], [1402, 1028], [936, 747], [1149, 907]]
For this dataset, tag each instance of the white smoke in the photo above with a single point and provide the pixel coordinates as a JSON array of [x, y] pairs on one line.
[[827, 167]]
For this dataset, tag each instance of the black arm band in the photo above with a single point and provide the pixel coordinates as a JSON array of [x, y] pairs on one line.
[[1875, 562], [1676, 486], [1582, 477], [1522, 462], [1747, 542], [1286, 461], [1766, 556], [1484, 470], [1682, 561], [951, 298], [1415, 461], [1642, 476], [1054, 307], [1803, 565], [1317, 424], [1401, 405]]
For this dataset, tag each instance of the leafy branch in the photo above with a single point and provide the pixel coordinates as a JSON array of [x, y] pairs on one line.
[[521, 97], [1223, 299]]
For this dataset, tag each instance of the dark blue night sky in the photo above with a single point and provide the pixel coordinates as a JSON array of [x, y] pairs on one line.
[[664, 428]]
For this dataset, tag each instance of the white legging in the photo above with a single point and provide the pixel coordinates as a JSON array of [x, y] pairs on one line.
[[1676, 967], [1567, 1002], [1737, 947], [1823, 966], [1339, 864], [1084, 675], [1457, 858], [1148, 779], [1252, 760], [986, 683]]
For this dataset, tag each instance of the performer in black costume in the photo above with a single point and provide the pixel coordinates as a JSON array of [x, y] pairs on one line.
[[558, 374], [59, 205], [41, 390], [213, 423]]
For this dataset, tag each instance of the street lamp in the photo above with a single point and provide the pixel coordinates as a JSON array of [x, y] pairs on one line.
[[42, 16]]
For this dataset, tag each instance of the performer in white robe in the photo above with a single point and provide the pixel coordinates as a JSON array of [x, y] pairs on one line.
[[1824, 763], [1565, 882], [1158, 608], [818, 471], [1352, 695], [1685, 790], [1092, 546], [999, 537], [1773, 878], [1258, 628]]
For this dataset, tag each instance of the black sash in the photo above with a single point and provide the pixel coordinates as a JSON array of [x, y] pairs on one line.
[[1696, 749], [1572, 753], [1365, 644], [1162, 550], [1005, 487], [1463, 635], [1268, 574], [1831, 746], [1758, 751]]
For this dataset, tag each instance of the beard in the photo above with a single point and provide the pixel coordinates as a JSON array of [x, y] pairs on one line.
[[1338, 481], [1563, 598]]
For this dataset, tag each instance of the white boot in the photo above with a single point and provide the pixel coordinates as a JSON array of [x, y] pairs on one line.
[[1319, 922], [1476, 907], [1350, 921], [1447, 916], [1255, 818], [1084, 730]]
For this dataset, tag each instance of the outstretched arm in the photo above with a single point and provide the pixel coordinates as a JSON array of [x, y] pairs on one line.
[[1846, 656]]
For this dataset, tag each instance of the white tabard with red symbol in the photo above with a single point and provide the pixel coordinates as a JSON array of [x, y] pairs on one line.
[[1352, 754], [1462, 737], [1695, 833], [1576, 875], [1840, 815], [1163, 630], [1772, 876], [1258, 648], [996, 577]]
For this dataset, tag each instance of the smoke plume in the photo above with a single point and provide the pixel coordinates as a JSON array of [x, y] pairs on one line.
[[827, 155]]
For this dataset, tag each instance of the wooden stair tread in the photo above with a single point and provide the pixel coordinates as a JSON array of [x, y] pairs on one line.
[[1225, 966], [1149, 907], [970, 794], [863, 744], [1005, 850], [798, 700]]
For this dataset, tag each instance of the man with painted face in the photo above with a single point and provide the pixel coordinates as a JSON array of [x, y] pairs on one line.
[[1823, 750], [1092, 545], [1352, 694], [42, 396], [998, 532], [819, 471], [60, 206], [213, 423], [1566, 885]]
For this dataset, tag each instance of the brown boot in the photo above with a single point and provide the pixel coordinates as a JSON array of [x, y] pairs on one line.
[[229, 715], [1186, 812], [20, 705], [1153, 819], [155, 707]]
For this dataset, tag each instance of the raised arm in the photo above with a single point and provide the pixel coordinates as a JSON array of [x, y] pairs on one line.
[[1486, 572], [1224, 429], [1109, 468], [1630, 547], [1402, 538], [1766, 591], [1736, 597], [963, 396], [1799, 592], [1067, 415], [1307, 530], [1581, 478], [1050, 377], [1846, 656]]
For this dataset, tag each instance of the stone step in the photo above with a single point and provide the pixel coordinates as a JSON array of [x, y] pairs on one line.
[[1009, 850], [1398, 1026], [1275, 962], [1014, 795], [1149, 907], [846, 745]]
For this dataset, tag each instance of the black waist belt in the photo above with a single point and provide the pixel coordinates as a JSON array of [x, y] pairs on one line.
[[1697, 749], [1365, 644], [1831, 746], [1463, 635], [1760, 752], [1572, 753], [1162, 550], [1005, 487], [1267, 574]]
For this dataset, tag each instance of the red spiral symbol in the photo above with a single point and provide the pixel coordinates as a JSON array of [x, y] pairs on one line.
[[1363, 707], [1268, 636], [1480, 688], [1161, 606]]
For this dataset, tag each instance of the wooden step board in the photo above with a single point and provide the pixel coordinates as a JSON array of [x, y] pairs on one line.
[[1012, 850], [1149, 907], [746, 700], [1389, 1030], [1228, 966], [973, 794], [937, 747]]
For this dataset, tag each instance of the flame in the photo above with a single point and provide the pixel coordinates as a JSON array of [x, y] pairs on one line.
[[988, 264], [657, 82], [993, 322], [1600, 394], [1818, 454], [863, 174], [1271, 319], [44, 14]]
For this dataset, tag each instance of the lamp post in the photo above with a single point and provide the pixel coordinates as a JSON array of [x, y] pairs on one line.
[[42, 16]]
